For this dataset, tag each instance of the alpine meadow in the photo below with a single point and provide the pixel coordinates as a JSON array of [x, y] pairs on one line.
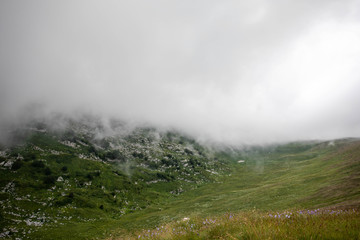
[[179, 119]]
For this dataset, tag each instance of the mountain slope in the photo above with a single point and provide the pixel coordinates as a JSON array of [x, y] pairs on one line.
[[88, 179], [59, 177], [292, 176]]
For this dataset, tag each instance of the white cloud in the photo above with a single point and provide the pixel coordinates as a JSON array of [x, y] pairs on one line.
[[232, 71]]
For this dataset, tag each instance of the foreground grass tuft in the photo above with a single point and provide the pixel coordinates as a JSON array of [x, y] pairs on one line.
[[296, 224]]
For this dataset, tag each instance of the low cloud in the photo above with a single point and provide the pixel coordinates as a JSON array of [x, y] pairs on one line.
[[229, 71]]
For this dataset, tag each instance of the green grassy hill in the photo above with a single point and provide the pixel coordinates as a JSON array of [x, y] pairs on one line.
[[293, 176], [87, 183], [82, 175]]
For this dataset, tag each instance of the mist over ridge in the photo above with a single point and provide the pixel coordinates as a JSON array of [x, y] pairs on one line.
[[237, 73]]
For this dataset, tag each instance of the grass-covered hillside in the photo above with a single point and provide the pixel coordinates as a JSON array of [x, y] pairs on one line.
[[87, 180], [297, 190], [82, 174]]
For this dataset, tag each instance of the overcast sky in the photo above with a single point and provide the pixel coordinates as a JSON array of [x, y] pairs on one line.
[[235, 71]]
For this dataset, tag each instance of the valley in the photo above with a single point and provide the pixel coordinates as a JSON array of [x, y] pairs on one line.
[[83, 184]]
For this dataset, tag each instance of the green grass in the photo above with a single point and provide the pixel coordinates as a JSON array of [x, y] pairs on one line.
[[49, 184], [318, 224], [98, 198], [275, 181]]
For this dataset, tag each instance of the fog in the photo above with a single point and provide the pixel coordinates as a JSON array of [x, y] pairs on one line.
[[226, 71]]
